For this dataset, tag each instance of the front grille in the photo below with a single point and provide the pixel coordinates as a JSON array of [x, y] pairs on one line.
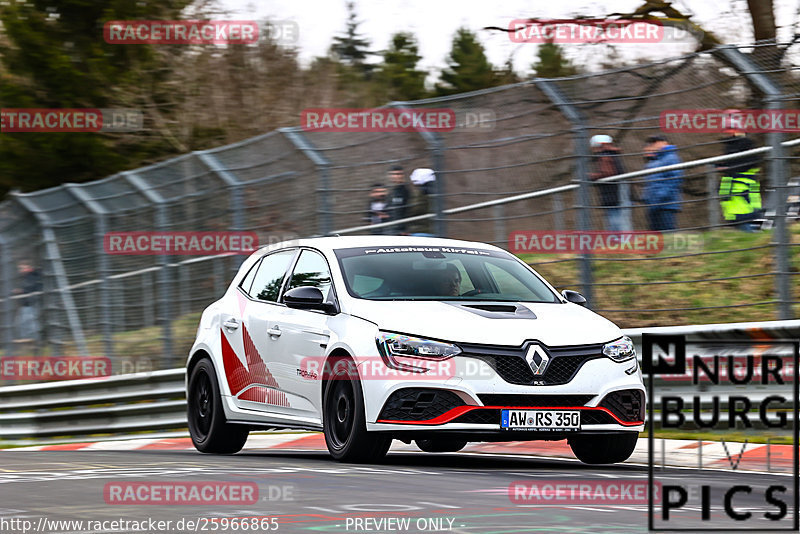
[[627, 404], [418, 404], [501, 399], [492, 416], [510, 364], [596, 417], [479, 417]]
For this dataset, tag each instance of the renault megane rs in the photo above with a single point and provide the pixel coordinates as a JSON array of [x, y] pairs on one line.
[[444, 342]]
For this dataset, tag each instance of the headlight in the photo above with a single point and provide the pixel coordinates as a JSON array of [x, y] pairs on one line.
[[620, 350], [395, 349]]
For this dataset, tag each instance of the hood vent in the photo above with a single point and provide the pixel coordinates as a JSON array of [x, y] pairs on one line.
[[497, 310]]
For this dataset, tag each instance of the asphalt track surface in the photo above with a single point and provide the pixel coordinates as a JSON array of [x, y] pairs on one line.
[[305, 491]]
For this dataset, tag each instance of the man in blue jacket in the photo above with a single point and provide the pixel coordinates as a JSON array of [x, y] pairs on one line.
[[662, 190]]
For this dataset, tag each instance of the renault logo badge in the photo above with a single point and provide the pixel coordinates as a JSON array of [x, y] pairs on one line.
[[538, 359]]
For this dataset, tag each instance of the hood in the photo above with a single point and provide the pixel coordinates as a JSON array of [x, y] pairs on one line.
[[495, 323]]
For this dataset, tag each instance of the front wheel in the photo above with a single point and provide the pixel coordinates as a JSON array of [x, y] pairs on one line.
[[344, 421], [604, 448], [207, 425]]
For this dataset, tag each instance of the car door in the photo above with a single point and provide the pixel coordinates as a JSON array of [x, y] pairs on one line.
[[260, 381], [305, 333]]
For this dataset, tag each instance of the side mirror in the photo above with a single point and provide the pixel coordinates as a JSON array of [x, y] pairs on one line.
[[573, 297], [306, 298]]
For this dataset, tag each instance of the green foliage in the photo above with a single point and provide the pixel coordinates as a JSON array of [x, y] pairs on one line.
[[53, 55], [468, 68], [551, 62], [352, 49], [398, 74]]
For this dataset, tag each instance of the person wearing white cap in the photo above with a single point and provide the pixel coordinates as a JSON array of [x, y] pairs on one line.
[[424, 180], [423, 176], [598, 140], [606, 162]]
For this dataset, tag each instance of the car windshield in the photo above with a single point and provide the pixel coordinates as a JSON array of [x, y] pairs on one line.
[[439, 273]]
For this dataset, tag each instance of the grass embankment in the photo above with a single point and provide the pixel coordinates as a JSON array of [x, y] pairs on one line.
[[626, 284]]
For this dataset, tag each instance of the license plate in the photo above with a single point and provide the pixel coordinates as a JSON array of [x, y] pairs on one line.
[[540, 420]]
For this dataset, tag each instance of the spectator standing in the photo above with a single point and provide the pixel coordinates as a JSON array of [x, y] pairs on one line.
[[423, 180], [376, 208], [28, 318], [662, 191], [606, 162], [399, 198]]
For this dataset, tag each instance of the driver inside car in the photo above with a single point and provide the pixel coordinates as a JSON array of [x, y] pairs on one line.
[[450, 281]]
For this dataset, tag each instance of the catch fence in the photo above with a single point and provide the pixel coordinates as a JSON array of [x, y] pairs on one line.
[[519, 160]]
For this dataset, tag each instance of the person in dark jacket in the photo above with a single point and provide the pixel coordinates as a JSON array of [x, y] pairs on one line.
[[606, 162], [662, 191], [376, 208], [399, 198], [28, 314]]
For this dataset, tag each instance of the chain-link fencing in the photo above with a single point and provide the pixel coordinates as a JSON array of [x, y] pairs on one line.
[[519, 160]]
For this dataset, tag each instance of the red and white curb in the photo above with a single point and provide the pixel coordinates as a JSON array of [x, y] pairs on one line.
[[684, 453]]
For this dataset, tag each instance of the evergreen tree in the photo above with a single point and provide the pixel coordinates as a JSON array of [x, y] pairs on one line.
[[352, 49], [397, 74], [468, 68], [53, 55], [551, 62]]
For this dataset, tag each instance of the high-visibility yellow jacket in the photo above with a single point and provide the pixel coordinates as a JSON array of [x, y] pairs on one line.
[[740, 194]]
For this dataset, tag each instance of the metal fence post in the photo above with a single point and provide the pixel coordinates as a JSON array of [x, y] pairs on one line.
[[558, 212], [236, 205], [53, 258], [583, 155], [148, 299], [500, 233], [165, 280], [584, 216], [778, 175], [713, 196], [436, 147], [627, 206], [324, 220], [6, 274], [99, 213]]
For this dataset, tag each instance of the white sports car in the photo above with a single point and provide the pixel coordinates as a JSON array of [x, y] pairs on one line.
[[371, 339]]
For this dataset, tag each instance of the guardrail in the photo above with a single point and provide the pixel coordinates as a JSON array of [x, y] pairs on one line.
[[119, 404], [156, 400]]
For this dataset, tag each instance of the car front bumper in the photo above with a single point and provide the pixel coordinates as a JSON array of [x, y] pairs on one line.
[[472, 403]]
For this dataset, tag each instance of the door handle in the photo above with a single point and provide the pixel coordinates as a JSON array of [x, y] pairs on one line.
[[276, 331], [231, 324]]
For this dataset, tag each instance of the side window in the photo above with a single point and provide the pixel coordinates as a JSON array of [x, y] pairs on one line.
[[311, 270], [247, 282], [270, 275]]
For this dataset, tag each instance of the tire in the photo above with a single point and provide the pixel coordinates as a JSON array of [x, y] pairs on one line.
[[604, 448], [440, 445], [210, 432], [343, 419]]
